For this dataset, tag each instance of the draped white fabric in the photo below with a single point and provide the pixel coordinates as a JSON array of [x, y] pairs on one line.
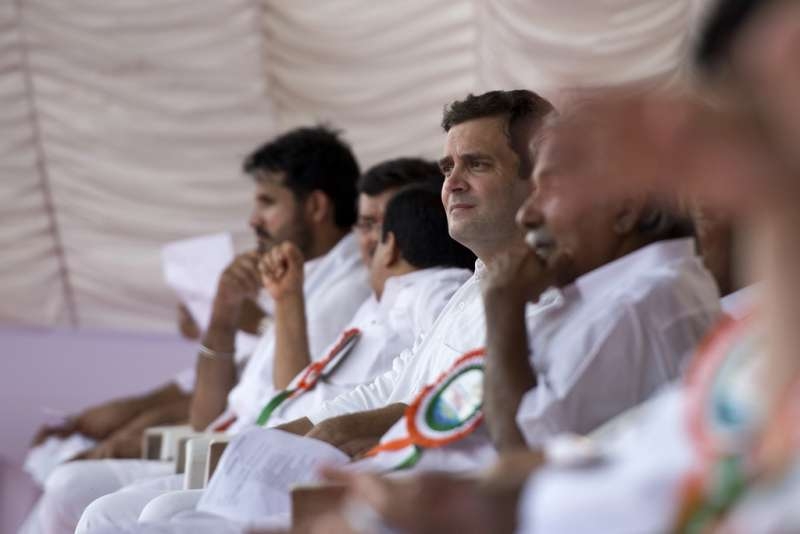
[[123, 124]]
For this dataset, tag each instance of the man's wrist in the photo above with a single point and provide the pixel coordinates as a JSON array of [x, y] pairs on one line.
[[291, 297], [503, 297]]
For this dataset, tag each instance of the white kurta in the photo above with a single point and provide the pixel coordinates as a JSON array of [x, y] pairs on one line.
[[601, 346], [409, 305], [335, 285], [459, 328], [633, 489], [598, 347], [615, 336]]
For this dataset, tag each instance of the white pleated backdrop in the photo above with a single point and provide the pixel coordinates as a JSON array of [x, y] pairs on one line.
[[123, 124]]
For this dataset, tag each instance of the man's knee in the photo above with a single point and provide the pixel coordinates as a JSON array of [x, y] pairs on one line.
[[118, 509], [67, 491], [166, 506]]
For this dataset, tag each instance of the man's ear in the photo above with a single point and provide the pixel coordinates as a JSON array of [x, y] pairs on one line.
[[318, 206], [629, 212]]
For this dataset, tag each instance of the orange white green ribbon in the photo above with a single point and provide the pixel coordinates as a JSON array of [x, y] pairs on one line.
[[443, 412], [312, 373], [726, 416]]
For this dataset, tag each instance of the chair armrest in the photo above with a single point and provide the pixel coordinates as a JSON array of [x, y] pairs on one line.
[[215, 450], [194, 458], [161, 442], [310, 502]]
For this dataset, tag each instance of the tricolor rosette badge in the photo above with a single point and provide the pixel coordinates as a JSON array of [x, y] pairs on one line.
[[450, 408]]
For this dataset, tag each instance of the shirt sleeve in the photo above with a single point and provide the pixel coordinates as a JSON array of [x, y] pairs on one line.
[[375, 394], [329, 315], [576, 499], [581, 387]]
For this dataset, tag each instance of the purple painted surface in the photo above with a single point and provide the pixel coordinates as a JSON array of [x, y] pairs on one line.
[[65, 371]]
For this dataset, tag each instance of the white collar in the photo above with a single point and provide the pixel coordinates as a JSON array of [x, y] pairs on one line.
[[343, 254], [480, 269], [643, 260], [395, 285]]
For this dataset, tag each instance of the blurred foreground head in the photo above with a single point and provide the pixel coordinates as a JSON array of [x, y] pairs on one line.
[[733, 139], [572, 221]]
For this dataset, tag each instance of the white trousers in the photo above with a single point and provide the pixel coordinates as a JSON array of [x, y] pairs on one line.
[[165, 507], [186, 523], [71, 487], [122, 507]]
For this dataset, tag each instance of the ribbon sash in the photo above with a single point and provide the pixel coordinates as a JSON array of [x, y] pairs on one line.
[[313, 373], [443, 412]]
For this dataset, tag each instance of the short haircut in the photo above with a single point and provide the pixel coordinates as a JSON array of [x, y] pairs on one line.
[[400, 172], [661, 222], [521, 108], [312, 158], [721, 29], [416, 218]]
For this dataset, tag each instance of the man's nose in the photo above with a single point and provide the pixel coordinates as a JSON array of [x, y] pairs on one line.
[[528, 215], [455, 181], [254, 221]]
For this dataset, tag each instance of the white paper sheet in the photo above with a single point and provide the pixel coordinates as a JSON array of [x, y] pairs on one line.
[[258, 469], [192, 268]]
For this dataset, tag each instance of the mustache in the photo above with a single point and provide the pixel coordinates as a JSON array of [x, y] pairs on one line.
[[263, 238], [541, 240]]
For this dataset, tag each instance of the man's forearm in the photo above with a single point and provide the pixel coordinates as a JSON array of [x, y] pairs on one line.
[[292, 353], [166, 394], [508, 375], [216, 375], [174, 412], [373, 423], [357, 432], [301, 426]]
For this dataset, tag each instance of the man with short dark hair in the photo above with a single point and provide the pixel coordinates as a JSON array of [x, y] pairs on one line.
[[305, 192], [378, 185], [482, 191]]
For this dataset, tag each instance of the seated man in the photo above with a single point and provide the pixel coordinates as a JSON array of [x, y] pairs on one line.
[[412, 280], [307, 200]]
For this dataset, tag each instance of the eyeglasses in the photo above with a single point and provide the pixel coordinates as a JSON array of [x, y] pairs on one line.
[[368, 224]]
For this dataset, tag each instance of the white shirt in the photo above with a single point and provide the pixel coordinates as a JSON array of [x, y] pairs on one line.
[[634, 488], [600, 346], [612, 338], [739, 303], [408, 306], [459, 328], [335, 285]]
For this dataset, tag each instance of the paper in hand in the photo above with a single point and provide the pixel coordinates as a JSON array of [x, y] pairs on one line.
[[258, 470], [192, 268]]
